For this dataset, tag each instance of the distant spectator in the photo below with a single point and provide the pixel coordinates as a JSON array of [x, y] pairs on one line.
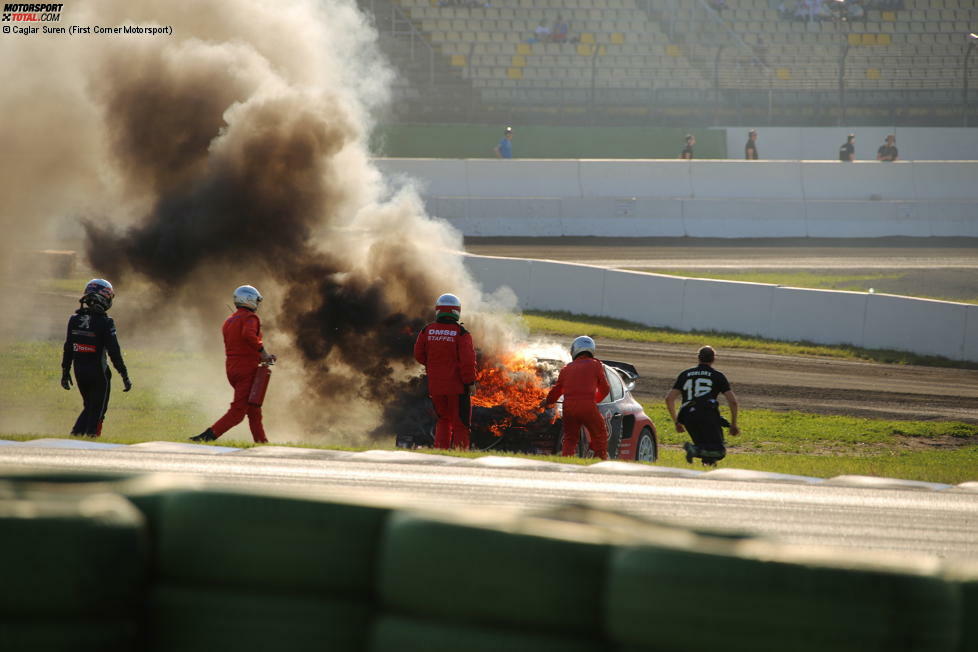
[[847, 153], [888, 152], [718, 5], [505, 147], [541, 33], [750, 149], [760, 52], [687, 152], [560, 30]]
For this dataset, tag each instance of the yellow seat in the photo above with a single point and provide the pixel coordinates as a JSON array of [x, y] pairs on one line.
[[872, 73], [585, 49], [673, 50], [883, 39], [524, 48], [889, 16], [869, 39], [617, 38], [855, 39], [518, 61], [458, 60], [784, 73], [587, 37], [514, 73]]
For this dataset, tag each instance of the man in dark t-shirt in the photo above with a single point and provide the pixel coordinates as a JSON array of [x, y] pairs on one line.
[[687, 152], [750, 149], [887, 153], [699, 388], [847, 153]]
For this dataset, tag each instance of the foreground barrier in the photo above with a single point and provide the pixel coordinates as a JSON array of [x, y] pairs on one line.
[[725, 199], [875, 321], [205, 570]]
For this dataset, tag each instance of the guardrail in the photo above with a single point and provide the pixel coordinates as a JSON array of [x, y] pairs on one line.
[[727, 199], [875, 321]]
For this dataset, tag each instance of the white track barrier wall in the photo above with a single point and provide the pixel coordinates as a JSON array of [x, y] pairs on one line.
[[877, 321], [725, 199]]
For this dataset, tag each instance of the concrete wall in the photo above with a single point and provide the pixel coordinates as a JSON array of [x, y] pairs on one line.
[[822, 143], [876, 321], [671, 198]]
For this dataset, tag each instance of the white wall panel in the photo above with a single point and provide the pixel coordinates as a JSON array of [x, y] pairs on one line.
[[727, 306], [643, 178], [522, 178], [734, 180], [563, 286], [821, 316], [715, 218], [919, 325], [650, 299]]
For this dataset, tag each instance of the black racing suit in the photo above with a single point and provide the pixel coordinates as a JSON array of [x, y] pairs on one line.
[[700, 412], [91, 335]]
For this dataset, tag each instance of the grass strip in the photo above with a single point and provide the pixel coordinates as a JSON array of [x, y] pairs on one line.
[[565, 323]]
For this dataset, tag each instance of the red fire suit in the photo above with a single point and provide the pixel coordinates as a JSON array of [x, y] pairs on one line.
[[242, 343], [445, 348], [582, 384]]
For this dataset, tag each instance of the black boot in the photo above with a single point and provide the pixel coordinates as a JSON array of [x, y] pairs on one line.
[[207, 435]]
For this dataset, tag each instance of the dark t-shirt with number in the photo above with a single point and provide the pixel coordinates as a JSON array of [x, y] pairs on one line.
[[701, 382]]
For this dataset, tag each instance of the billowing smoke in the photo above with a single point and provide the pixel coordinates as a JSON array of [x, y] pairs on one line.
[[234, 151]]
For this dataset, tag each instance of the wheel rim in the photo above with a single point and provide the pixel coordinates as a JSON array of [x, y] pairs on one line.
[[646, 448]]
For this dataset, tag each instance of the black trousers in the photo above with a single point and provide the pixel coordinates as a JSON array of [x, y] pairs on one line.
[[94, 383], [705, 427]]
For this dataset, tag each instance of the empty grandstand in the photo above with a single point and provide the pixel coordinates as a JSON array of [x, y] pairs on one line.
[[903, 62]]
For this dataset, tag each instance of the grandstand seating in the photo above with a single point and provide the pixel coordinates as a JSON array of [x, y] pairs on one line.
[[626, 53]]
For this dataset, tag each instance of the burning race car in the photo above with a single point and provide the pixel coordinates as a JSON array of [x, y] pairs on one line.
[[508, 412]]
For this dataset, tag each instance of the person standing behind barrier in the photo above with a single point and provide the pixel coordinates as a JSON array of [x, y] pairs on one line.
[[699, 388], [847, 152], [505, 147], [687, 152], [750, 149], [245, 351], [91, 335], [583, 384], [445, 349], [887, 153]]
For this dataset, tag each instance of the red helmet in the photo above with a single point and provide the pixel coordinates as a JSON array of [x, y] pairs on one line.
[[448, 305]]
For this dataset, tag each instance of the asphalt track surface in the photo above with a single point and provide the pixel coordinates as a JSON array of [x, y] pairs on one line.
[[905, 520], [776, 382]]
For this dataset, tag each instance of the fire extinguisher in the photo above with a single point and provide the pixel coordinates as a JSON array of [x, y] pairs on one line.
[[260, 384]]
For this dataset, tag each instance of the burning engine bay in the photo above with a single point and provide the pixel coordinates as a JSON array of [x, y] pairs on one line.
[[508, 410]]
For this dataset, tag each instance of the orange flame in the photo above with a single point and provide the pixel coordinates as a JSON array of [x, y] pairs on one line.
[[512, 382]]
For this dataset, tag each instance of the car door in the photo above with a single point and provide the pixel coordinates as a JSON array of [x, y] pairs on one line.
[[610, 408]]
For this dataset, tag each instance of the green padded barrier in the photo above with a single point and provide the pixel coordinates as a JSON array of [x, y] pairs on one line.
[[64, 477], [62, 554], [963, 574], [751, 596], [192, 620], [101, 633], [454, 572], [268, 542], [400, 634]]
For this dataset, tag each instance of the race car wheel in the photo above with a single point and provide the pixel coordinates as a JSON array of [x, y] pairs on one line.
[[646, 449]]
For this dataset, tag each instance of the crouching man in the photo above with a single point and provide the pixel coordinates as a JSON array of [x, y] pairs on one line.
[[699, 414]]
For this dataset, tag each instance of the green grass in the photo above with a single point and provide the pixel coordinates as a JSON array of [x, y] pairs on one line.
[[564, 323], [820, 281], [33, 405]]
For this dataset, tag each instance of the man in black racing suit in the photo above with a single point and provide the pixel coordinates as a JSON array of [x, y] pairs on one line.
[[700, 387], [91, 335]]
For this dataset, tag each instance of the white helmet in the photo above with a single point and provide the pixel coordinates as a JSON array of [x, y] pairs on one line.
[[448, 305], [247, 296], [580, 345]]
